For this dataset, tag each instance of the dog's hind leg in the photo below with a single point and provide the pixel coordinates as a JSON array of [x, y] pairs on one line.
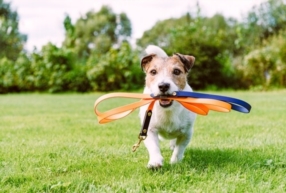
[[173, 144]]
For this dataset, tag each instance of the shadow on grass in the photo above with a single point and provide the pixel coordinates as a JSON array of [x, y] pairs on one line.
[[236, 159]]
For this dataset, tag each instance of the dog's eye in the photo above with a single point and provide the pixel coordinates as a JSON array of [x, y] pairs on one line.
[[177, 72], [153, 72]]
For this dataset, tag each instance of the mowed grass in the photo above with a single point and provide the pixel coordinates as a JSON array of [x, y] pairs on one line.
[[53, 143]]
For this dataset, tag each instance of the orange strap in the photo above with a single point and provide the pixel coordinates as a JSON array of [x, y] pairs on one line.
[[197, 105]]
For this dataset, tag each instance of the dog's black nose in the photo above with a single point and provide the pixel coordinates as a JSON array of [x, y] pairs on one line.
[[163, 87]]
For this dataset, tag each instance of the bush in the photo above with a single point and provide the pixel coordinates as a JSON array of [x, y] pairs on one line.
[[76, 80], [49, 68], [7, 76], [266, 66], [118, 69]]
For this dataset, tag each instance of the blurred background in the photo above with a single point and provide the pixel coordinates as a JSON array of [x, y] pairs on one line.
[[86, 46]]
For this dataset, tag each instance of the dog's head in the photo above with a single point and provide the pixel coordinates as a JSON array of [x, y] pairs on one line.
[[164, 75]]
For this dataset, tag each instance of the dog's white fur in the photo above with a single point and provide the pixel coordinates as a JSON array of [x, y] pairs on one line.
[[174, 122]]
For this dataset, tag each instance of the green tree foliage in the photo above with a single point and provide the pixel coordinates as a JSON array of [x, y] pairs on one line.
[[58, 69], [96, 32], [261, 40], [266, 66], [261, 22], [16, 75], [11, 40], [160, 33], [54, 70], [117, 70], [7, 75], [270, 16], [50, 67], [96, 54]]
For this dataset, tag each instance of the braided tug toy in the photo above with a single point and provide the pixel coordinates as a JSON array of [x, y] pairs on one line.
[[198, 103]]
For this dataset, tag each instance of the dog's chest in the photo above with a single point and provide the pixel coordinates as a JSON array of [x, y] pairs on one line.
[[171, 124]]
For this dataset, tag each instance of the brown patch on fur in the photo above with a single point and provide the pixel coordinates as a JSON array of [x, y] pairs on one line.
[[146, 60], [188, 61], [179, 80], [156, 64]]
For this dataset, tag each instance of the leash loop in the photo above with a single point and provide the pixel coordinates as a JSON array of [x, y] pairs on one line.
[[198, 103]]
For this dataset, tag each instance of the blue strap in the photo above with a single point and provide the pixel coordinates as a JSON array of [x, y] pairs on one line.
[[236, 104]]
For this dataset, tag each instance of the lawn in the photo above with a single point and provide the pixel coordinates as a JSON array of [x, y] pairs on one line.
[[53, 143]]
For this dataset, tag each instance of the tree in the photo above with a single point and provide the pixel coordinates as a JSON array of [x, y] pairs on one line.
[[265, 66], [11, 40], [160, 33], [96, 32], [262, 22], [270, 16]]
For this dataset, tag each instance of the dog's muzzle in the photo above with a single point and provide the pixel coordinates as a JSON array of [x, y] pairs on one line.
[[164, 101]]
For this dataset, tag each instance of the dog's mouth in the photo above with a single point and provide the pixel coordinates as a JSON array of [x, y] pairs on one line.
[[165, 102]]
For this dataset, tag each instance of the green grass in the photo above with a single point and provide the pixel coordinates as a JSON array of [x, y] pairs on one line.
[[53, 143]]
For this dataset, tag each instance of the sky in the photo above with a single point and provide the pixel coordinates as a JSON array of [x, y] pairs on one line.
[[42, 20]]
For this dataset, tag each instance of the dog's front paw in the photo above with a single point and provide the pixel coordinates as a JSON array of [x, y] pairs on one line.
[[155, 163]]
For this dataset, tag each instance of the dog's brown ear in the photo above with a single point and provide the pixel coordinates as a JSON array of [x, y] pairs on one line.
[[187, 60], [146, 60]]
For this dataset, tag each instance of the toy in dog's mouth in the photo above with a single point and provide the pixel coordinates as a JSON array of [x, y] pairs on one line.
[[165, 102]]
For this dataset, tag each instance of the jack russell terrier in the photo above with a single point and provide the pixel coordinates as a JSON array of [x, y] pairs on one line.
[[170, 120]]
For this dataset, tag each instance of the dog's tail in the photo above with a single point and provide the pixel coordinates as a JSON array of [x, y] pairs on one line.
[[151, 49]]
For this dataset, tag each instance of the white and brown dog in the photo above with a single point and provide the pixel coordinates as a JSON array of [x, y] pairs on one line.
[[170, 120]]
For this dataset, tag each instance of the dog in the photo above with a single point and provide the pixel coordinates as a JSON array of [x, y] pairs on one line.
[[170, 120]]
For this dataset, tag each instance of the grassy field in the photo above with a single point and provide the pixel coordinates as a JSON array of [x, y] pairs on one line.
[[53, 143]]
